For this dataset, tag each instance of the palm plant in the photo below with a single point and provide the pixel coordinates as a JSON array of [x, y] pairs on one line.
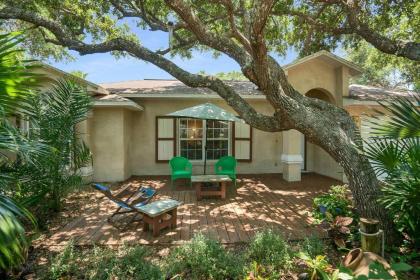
[[14, 80], [53, 116], [394, 150], [13, 243]]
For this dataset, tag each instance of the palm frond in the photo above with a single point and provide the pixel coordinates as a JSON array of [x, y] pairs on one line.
[[404, 118], [13, 243], [385, 154], [16, 75]]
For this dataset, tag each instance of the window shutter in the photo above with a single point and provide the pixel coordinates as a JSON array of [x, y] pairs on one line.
[[242, 142], [165, 138]]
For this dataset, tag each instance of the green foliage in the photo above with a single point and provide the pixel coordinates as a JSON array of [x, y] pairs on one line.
[[104, 263], [394, 150], [203, 258], [378, 271], [318, 265], [335, 203], [13, 243], [232, 75], [270, 250], [79, 74], [312, 246], [53, 116], [14, 77], [383, 70]]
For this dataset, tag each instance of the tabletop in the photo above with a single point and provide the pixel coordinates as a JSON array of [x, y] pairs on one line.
[[210, 178], [159, 207]]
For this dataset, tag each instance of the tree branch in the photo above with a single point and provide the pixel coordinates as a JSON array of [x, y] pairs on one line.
[[353, 25], [246, 111]]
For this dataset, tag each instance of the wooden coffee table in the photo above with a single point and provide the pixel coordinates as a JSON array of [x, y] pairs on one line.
[[202, 190], [156, 214]]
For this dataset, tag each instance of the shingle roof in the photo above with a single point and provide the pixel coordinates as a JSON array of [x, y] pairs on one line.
[[173, 87], [370, 93]]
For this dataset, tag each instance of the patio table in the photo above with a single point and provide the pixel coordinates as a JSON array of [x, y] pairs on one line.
[[203, 190], [156, 214]]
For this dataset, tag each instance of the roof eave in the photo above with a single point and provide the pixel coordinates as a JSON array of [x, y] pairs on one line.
[[186, 96], [354, 68], [119, 104]]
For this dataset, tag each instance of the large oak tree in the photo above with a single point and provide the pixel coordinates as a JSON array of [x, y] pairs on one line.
[[249, 32]]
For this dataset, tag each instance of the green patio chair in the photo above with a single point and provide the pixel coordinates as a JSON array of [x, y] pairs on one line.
[[181, 169], [226, 166]]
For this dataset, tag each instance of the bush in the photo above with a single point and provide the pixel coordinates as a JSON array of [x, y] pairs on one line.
[[203, 258], [270, 250], [104, 263], [312, 246], [334, 202]]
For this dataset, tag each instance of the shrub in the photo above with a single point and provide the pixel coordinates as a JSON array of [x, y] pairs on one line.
[[104, 263], [270, 250], [312, 246], [393, 148], [334, 202], [203, 258], [64, 263]]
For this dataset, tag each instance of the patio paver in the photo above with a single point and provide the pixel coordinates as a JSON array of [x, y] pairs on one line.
[[261, 201]]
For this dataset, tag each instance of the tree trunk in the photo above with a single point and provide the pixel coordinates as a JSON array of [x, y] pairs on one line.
[[334, 131], [360, 174]]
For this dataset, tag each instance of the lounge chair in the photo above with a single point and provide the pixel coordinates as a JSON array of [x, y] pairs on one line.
[[226, 166], [181, 168], [130, 205]]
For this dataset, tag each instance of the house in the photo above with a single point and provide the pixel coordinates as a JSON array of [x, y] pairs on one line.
[[129, 134]]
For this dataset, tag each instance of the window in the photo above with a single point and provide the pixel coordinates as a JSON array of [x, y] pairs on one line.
[[217, 139], [192, 136]]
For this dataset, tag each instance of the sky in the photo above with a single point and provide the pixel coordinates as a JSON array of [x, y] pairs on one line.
[[106, 68]]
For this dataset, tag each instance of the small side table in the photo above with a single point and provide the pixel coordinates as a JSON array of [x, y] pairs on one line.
[[201, 190], [155, 212]]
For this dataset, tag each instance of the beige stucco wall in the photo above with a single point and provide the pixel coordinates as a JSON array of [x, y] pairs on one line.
[[318, 74], [266, 146], [109, 144], [123, 141]]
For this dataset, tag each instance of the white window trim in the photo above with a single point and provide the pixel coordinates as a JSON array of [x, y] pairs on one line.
[[201, 161]]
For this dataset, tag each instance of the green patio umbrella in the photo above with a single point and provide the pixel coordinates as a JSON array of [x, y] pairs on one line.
[[207, 111]]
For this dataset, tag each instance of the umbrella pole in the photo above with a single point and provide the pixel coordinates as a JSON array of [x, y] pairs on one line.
[[205, 149]]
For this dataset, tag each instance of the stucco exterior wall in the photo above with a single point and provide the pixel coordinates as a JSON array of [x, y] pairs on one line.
[[318, 74], [123, 141], [313, 75], [266, 146], [109, 145]]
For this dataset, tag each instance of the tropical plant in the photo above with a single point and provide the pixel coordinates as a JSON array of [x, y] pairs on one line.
[[319, 266], [53, 116], [338, 229], [394, 150], [334, 203], [13, 242], [14, 79]]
